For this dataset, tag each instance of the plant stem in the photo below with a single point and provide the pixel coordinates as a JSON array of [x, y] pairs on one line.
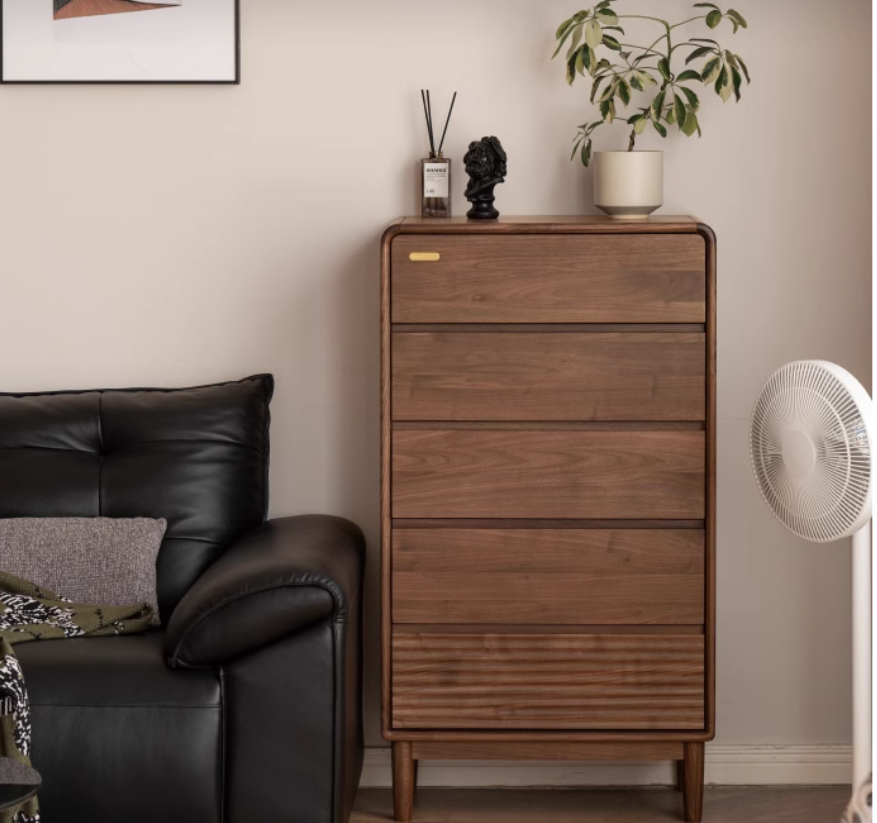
[[690, 20], [642, 17], [649, 50], [664, 23], [632, 140]]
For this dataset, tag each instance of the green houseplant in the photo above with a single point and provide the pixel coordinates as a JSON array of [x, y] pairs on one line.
[[664, 87]]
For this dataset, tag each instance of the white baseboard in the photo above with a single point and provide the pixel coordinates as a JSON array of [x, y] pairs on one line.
[[725, 765]]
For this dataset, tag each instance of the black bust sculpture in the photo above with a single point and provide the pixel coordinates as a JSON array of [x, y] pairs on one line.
[[486, 166]]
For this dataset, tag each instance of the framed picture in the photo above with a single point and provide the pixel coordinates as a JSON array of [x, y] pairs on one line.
[[119, 41]]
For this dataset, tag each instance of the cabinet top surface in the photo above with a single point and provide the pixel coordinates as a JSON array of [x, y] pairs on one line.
[[546, 224]]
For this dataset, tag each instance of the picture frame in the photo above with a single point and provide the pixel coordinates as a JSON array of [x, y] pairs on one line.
[[90, 42]]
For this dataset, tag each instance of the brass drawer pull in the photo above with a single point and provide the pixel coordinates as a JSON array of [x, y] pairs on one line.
[[424, 257]]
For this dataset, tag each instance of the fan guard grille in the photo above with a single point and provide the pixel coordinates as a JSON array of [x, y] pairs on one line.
[[811, 451]]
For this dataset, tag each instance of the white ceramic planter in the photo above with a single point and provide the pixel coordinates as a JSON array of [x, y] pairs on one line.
[[629, 185]]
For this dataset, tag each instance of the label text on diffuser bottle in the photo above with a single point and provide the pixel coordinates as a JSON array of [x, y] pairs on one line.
[[435, 180]]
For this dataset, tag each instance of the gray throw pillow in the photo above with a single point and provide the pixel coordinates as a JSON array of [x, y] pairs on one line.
[[96, 560]]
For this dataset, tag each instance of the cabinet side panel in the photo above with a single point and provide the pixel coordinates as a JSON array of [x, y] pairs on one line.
[[386, 479], [711, 257]]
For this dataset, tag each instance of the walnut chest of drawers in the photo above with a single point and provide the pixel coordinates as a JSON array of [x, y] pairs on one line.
[[548, 494]]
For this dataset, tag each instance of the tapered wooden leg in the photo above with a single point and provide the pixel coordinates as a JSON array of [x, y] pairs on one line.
[[416, 775], [693, 782], [403, 780], [680, 775]]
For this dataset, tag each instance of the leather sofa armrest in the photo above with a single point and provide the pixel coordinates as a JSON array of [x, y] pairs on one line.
[[277, 580]]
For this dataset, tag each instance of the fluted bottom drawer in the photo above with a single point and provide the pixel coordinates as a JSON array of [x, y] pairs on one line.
[[548, 681]]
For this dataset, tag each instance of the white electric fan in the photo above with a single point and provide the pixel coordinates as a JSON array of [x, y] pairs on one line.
[[810, 441]]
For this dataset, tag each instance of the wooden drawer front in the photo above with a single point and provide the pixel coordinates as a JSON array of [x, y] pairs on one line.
[[550, 279], [557, 681], [548, 577], [548, 474], [549, 376]]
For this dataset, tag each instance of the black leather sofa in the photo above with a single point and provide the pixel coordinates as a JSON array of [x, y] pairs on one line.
[[245, 706]]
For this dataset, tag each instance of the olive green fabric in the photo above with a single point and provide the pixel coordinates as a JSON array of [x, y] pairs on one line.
[[29, 613]]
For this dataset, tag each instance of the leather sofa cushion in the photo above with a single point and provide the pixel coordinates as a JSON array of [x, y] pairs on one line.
[[197, 458], [111, 707]]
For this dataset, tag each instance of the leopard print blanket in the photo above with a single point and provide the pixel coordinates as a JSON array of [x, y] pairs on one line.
[[29, 613]]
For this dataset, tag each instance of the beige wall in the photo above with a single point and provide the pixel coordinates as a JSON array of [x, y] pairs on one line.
[[180, 235]]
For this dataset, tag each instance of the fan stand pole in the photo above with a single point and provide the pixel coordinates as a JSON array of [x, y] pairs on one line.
[[861, 655]]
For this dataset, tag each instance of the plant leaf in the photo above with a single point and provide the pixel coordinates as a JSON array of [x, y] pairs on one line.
[[645, 78], [636, 83], [721, 80], [658, 105], [570, 71], [693, 99], [590, 60], [576, 39], [743, 67], [607, 16], [704, 40], [664, 68], [593, 33], [735, 15], [640, 125], [580, 61], [609, 93], [562, 42], [714, 18], [691, 125], [688, 75], [723, 84], [603, 5], [738, 82], [611, 42], [565, 36], [680, 110], [659, 128], [561, 29], [613, 28], [596, 87], [711, 71], [577, 145], [624, 92], [698, 52], [705, 6], [607, 109], [671, 115]]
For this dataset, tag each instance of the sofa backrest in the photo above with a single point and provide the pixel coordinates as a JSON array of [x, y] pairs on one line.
[[197, 457]]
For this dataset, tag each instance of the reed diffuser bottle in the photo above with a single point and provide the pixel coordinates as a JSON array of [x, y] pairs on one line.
[[436, 180], [435, 170]]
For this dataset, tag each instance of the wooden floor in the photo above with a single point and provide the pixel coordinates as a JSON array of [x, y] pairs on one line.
[[738, 804]]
